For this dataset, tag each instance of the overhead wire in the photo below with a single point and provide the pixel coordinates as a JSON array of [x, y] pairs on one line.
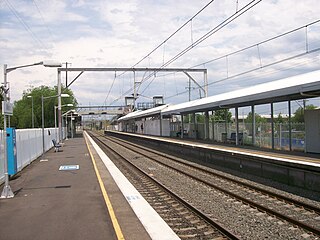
[[171, 35], [44, 23], [224, 23], [25, 25], [252, 70], [246, 48], [163, 42]]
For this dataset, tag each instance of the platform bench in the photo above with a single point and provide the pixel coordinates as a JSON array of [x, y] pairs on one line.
[[56, 145]]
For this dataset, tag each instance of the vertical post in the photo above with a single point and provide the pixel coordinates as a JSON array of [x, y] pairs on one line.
[[32, 112], [226, 121], [253, 125], [206, 135], [160, 125], [71, 125], [6, 192], [55, 120], [290, 126], [213, 123], [237, 125], [66, 74], [59, 106], [194, 125], [189, 89], [205, 83], [272, 127], [135, 91], [182, 125], [42, 119]]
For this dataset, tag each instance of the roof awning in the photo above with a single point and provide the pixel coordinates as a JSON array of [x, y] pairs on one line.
[[292, 88], [141, 114]]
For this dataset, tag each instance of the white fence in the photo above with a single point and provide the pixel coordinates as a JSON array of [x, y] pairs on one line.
[[29, 146]]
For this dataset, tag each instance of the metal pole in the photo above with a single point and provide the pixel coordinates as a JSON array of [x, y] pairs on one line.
[[71, 127], [205, 83], [6, 192], [237, 125], [32, 113], [55, 120], [272, 127], [182, 125], [206, 125], [253, 125], [42, 119], [290, 126], [134, 90], [59, 106]]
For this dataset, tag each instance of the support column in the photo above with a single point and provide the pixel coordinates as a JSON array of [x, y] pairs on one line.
[[290, 127], [206, 134], [182, 126], [253, 125], [59, 107], [237, 125], [272, 127], [160, 125], [195, 125], [205, 83]]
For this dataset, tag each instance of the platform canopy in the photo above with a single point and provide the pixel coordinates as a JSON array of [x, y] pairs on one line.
[[141, 114], [292, 88]]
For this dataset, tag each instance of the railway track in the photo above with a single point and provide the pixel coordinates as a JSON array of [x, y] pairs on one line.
[[187, 221], [301, 214]]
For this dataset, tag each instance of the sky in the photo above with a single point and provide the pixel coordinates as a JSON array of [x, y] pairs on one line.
[[117, 33]]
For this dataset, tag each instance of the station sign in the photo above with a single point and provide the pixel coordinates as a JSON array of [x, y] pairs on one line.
[[7, 108]]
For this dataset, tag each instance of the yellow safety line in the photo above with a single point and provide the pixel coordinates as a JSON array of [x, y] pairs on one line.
[[106, 198]]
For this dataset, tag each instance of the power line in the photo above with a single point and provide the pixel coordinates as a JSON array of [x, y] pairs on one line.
[[257, 44], [171, 35], [224, 23], [25, 25], [252, 70], [207, 35], [48, 29], [162, 43]]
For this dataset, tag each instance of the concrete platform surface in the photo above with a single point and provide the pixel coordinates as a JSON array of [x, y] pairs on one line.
[[65, 204]]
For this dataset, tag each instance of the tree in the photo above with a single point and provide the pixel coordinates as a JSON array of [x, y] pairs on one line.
[[258, 118], [298, 116], [280, 119], [222, 115], [22, 111]]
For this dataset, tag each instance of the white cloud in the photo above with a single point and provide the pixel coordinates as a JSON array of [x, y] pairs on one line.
[[113, 33]]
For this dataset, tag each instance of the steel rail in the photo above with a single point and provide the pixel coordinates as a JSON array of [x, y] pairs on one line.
[[216, 225], [244, 200], [265, 191]]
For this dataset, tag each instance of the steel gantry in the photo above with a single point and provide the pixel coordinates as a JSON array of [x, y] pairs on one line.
[[186, 71]]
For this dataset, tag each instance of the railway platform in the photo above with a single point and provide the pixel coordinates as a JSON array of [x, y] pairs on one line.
[[75, 194]]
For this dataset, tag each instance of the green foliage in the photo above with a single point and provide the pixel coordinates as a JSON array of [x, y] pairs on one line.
[[258, 118], [221, 115], [22, 111], [200, 118], [298, 116]]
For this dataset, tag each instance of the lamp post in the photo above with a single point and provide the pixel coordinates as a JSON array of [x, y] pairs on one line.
[[7, 192], [32, 113], [42, 110]]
